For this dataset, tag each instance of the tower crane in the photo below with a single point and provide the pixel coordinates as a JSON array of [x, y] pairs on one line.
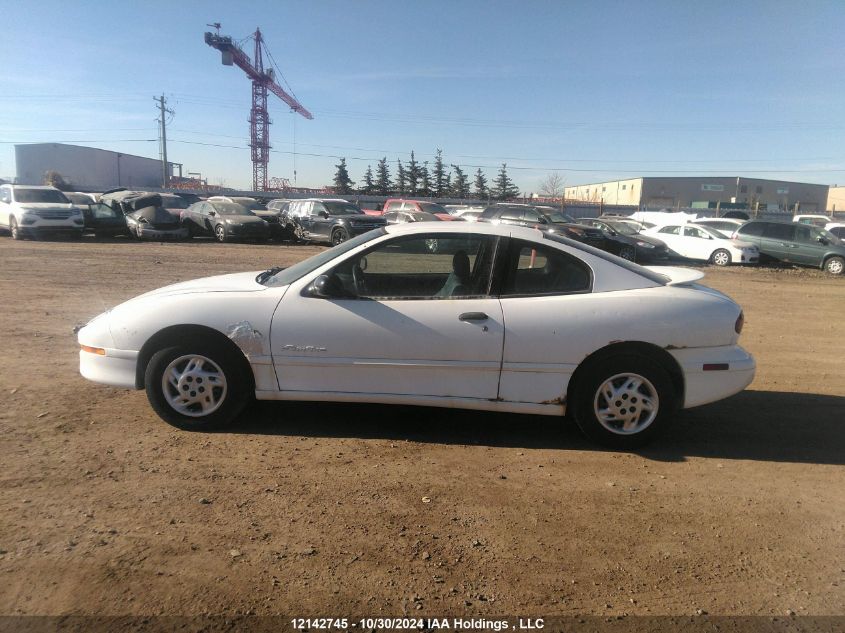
[[262, 82]]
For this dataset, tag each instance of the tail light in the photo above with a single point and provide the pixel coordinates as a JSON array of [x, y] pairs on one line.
[[740, 321]]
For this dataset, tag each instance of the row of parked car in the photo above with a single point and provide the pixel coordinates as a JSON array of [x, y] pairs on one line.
[[645, 237]]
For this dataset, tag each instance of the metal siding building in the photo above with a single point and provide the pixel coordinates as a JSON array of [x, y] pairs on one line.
[[85, 167], [703, 190]]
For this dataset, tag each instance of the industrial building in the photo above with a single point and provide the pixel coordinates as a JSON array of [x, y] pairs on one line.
[[705, 192], [87, 168], [836, 199]]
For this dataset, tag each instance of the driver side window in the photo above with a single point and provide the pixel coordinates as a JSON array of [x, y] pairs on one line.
[[432, 266], [317, 208]]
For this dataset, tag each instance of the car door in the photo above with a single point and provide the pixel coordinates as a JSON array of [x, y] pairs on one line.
[[320, 221], [699, 244], [401, 321], [546, 303], [810, 251], [672, 236], [778, 241]]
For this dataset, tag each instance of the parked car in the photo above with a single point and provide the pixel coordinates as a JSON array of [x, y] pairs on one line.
[[224, 221], [631, 244], [836, 228], [663, 218], [146, 218], [419, 206], [34, 211], [174, 204], [735, 214], [638, 226], [693, 241], [555, 222], [521, 321], [330, 220], [724, 226], [814, 219], [277, 204], [457, 210], [795, 243]]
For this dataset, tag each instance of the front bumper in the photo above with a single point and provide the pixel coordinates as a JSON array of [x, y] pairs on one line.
[[116, 368], [730, 370], [365, 228], [149, 233]]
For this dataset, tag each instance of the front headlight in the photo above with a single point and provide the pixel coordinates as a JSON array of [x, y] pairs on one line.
[[644, 244], [26, 211]]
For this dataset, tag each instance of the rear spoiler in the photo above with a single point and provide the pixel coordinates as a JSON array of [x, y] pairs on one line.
[[676, 275]]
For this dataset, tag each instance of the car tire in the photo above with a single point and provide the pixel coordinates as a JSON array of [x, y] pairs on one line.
[[720, 257], [834, 265], [629, 253], [636, 381], [180, 400], [339, 236], [220, 233], [14, 230]]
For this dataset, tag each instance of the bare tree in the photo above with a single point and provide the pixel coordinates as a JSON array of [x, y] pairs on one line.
[[552, 185]]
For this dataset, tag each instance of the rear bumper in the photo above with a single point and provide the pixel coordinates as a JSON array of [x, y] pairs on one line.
[[730, 370]]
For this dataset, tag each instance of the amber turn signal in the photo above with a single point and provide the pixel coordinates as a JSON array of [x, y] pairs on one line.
[[93, 350]]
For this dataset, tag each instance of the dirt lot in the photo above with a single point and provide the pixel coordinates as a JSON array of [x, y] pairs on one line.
[[317, 510]]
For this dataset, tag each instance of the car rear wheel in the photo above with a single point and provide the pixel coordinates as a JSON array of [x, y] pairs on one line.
[[196, 386], [220, 233], [339, 236], [720, 257], [14, 230], [834, 265], [629, 253], [623, 401]]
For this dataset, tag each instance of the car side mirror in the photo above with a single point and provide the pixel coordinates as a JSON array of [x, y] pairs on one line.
[[212, 213], [543, 221], [324, 214], [325, 287], [823, 240]]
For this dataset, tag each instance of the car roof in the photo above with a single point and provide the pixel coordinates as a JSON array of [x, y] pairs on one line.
[[32, 187], [483, 228]]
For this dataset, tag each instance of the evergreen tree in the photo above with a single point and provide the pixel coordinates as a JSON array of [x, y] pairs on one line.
[[425, 180], [413, 175], [401, 179], [481, 190], [460, 186], [447, 184], [439, 186], [342, 182], [503, 187], [383, 183], [369, 186]]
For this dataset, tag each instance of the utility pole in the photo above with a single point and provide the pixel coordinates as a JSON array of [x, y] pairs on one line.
[[163, 135]]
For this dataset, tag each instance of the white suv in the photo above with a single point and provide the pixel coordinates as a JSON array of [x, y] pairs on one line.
[[30, 211]]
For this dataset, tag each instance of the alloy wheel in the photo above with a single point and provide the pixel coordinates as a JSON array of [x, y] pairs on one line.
[[194, 385], [626, 404]]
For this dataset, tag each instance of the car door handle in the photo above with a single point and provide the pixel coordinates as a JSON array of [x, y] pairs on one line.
[[473, 316]]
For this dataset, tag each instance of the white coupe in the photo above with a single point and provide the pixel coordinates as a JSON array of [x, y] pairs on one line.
[[498, 318], [695, 241]]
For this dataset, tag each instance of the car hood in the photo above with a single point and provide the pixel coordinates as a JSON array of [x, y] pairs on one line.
[[46, 206], [242, 219], [235, 282]]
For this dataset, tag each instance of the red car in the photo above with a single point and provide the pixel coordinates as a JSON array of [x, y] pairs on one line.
[[417, 206]]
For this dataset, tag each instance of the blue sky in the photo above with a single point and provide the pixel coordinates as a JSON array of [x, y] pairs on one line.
[[594, 90]]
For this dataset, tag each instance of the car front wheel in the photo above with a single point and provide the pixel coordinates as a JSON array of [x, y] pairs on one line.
[[220, 233], [14, 230], [629, 253], [196, 386], [339, 236], [623, 401], [834, 265], [720, 257]]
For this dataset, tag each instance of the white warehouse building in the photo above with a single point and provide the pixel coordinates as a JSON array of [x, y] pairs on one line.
[[86, 168]]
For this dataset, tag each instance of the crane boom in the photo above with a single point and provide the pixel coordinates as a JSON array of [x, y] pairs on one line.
[[262, 82]]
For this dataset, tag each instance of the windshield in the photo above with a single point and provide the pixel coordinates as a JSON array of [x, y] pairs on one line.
[[78, 198], [420, 216], [623, 228], [560, 217], [40, 195], [249, 203], [433, 207], [297, 271], [230, 208], [342, 208], [173, 202]]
